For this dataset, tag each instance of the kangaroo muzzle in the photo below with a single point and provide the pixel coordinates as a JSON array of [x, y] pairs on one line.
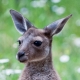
[[22, 57]]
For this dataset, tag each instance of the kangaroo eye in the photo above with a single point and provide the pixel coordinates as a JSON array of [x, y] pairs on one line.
[[19, 42], [37, 43]]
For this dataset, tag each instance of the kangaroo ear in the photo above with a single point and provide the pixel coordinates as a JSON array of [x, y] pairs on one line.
[[20, 22], [56, 26]]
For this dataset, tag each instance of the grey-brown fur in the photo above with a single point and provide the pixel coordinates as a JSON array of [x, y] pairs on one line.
[[37, 58]]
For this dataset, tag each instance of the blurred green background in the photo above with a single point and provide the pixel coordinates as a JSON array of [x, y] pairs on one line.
[[66, 45]]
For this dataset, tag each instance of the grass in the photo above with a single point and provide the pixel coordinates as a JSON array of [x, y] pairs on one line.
[[42, 15]]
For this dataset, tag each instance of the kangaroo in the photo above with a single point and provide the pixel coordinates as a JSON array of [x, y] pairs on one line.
[[35, 47]]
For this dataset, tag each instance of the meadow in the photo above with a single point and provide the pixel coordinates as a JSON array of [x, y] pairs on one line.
[[66, 45]]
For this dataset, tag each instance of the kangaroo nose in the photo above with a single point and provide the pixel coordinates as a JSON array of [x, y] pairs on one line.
[[20, 54]]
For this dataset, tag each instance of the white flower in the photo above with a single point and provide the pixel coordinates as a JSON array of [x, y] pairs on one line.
[[37, 3], [11, 71], [78, 22], [2, 76], [76, 41], [4, 60], [55, 1], [58, 10], [24, 11], [78, 70], [64, 58], [15, 45]]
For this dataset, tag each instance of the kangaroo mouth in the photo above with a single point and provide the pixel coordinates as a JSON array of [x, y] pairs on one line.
[[22, 58]]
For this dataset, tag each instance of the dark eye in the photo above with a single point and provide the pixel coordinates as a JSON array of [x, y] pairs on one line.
[[19, 42], [37, 43]]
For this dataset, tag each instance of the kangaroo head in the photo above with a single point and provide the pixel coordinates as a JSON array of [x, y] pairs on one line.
[[34, 44]]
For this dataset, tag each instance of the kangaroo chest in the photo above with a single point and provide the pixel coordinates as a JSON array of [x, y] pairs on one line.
[[43, 77], [51, 75]]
